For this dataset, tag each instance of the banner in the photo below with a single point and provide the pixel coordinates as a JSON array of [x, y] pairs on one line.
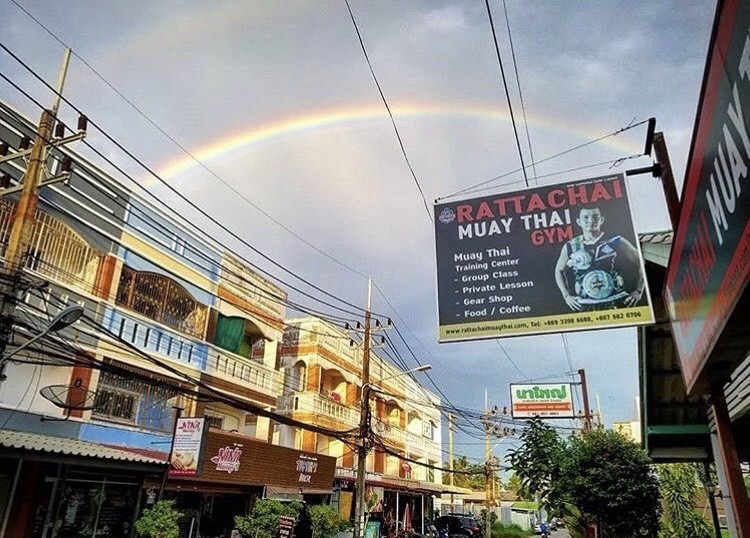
[[187, 446], [546, 401], [542, 260]]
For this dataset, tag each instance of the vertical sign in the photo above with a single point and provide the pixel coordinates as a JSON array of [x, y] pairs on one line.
[[187, 446], [710, 263], [548, 259]]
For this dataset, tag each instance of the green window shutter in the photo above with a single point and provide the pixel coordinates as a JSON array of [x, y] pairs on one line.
[[230, 332]]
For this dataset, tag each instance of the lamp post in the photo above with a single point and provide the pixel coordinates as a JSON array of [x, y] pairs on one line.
[[363, 449], [62, 319]]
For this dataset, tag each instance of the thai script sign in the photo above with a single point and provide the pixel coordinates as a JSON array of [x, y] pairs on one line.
[[306, 467], [547, 259], [187, 445], [546, 400], [710, 263]]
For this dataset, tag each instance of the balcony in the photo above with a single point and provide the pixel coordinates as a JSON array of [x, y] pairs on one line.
[[242, 371], [407, 439], [317, 404]]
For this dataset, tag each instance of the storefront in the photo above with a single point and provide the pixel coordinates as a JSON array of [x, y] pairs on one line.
[[235, 471], [394, 503], [54, 487]]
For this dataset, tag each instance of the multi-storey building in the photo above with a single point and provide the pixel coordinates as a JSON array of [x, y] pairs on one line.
[[323, 387], [171, 322]]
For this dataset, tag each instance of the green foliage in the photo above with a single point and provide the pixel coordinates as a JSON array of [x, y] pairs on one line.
[[609, 479], [159, 521], [326, 521], [537, 460], [263, 519], [473, 481], [679, 490], [597, 477], [515, 485], [500, 530]]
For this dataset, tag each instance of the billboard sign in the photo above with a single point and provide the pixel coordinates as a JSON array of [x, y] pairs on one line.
[[710, 261], [551, 400], [542, 260], [187, 446]]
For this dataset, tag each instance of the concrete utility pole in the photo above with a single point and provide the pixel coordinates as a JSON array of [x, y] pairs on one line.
[[364, 424], [450, 455], [489, 475], [585, 394], [22, 223]]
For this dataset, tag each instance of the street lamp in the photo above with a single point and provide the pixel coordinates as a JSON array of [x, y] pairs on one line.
[[62, 319], [363, 449]]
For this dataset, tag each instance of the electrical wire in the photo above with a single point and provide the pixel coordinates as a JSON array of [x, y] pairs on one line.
[[520, 93], [388, 109], [172, 189], [631, 125], [507, 93], [182, 148], [507, 355]]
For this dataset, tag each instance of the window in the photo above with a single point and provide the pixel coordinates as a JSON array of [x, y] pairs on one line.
[[133, 401], [117, 405], [215, 421]]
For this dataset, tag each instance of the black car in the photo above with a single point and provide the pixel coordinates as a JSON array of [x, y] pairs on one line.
[[459, 525]]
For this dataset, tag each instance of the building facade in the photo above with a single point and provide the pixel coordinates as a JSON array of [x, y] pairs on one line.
[[323, 387], [172, 324]]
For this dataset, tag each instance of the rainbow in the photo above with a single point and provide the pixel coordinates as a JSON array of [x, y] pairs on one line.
[[307, 122]]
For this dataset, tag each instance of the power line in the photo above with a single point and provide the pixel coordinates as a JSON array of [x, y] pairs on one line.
[[172, 189], [511, 360], [507, 93], [520, 93], [631, 125], [390, 113], [182, 148]]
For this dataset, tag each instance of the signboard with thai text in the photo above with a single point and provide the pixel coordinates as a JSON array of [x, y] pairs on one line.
[[549, 400], [710, 261], [542, 260]]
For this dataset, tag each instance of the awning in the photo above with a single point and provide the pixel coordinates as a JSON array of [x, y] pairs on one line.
[[64, 446], [281, 493]]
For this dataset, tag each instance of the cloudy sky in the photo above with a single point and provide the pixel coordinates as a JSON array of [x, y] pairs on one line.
[[276, 99]]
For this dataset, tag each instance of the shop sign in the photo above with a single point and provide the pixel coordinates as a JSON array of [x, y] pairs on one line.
[[306, 467], [709, 266], [549, 400], [187, 446], [544, 260], [227, 459], [286, 527]]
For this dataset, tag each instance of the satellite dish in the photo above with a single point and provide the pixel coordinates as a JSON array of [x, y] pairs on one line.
[[69, 397]]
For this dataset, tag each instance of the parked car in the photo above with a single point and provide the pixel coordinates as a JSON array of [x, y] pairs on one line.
[[459, 525]]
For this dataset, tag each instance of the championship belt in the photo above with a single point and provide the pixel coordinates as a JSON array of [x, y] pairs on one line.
[[597, 282]]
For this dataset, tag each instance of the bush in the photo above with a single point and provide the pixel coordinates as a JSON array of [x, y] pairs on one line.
[[160, 521], [326, 521], [501, 530], [263, 519]]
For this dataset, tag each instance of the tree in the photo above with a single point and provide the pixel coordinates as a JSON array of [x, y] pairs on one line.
[[598, 477], [679, 489], [515, 485], [537, 460], [159, 521], [469, 475], [263, 519], [610, 480]]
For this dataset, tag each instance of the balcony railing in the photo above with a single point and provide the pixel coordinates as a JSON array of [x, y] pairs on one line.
[[407, 438], [243, 371], [312, 402]]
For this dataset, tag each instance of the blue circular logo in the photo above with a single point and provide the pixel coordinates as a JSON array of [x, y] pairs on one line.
[[447, 215]]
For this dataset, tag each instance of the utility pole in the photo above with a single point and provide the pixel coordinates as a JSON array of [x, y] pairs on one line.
[[364, 424], [450, 455], [488, 500], [586, 408], [22, 223]]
